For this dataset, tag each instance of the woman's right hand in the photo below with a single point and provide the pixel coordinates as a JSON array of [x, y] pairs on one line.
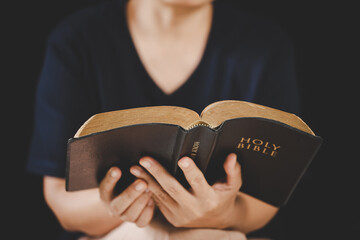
[[134, 204]]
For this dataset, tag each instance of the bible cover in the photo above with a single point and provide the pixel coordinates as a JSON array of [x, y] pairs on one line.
[[273, 155]]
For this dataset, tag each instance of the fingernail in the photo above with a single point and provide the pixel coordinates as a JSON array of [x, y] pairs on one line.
[[145, 163], [140, 186], [233, 160], [184, 163], [135, 171], [114, 173]]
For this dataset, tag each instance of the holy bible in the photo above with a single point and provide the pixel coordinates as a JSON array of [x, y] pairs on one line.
[[273, 147]]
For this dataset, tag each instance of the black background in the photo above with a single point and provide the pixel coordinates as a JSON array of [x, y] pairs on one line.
[[324, 205]]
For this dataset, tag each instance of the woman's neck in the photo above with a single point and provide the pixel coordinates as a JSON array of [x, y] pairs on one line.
[[170, 39], [159, 17]]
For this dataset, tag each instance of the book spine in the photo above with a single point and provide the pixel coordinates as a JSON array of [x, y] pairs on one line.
[[198, 144]]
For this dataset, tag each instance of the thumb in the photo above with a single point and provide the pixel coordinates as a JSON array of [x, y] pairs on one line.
[[233, 175], [233, 172]]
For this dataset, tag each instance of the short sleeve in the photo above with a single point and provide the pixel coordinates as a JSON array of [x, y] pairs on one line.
[[62, 104]]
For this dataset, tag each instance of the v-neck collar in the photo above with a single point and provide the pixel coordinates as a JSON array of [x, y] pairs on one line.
[[147, 80]]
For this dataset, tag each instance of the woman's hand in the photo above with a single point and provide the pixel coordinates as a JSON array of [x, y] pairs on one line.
[[202, 206], [134, 204]]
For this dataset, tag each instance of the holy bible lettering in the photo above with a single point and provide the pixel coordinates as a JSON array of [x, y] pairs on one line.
[[255, 133], [259, 145]]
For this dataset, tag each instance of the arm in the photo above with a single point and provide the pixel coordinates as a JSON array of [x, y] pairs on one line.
[[95, 211], [204, 206], [78, 211], [250, 214]]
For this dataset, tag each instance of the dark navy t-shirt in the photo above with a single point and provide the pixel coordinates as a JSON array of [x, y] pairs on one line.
[[91, 66]]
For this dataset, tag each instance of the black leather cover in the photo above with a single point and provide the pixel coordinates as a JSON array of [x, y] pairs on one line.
[[273, 156]]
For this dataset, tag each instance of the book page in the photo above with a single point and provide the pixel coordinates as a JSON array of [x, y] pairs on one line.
[[218, 112], [159, 114]]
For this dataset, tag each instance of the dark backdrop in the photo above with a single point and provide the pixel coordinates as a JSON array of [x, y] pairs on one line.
[[323, 206]]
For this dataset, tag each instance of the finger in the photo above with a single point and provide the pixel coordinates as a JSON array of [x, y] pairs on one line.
[[133, 212], [120, 203], [146, 215], [107, 185], [166, 204], [233, 174], [194, 176], [165, 179], [158, 192]]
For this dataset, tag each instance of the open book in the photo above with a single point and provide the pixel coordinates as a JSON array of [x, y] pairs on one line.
[[273, 147]]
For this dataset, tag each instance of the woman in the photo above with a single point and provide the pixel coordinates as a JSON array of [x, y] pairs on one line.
[[125, 54]]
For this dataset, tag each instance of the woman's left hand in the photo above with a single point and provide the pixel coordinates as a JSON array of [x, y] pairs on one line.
[[204, 205]]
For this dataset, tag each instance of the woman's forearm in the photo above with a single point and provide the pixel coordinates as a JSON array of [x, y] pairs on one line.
[[250, 214], [83, 210], [78, 211]]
